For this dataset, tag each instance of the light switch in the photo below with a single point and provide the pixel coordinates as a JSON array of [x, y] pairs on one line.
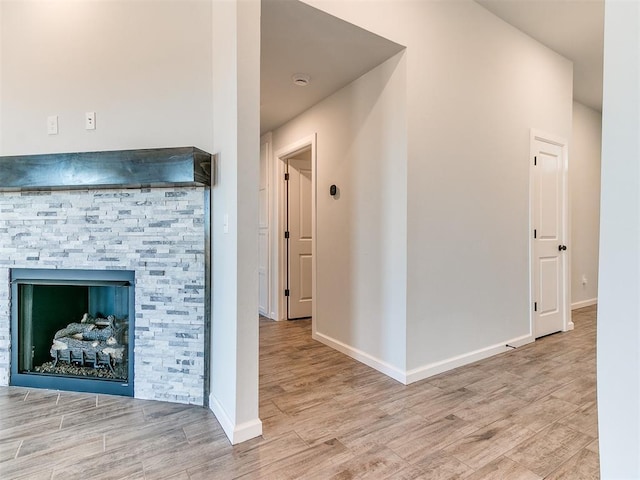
[[225, 226], [52, 125]]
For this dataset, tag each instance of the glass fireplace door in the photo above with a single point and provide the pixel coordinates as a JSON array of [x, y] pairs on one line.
[[73, 330]]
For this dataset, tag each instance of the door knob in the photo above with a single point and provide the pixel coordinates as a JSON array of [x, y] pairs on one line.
[[562, 248]]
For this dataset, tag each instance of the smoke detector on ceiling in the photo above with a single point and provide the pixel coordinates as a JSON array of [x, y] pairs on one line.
[[301, 79]]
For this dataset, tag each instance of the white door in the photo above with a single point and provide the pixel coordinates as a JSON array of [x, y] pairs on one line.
[[299, 224], [549, 243], [263, 232]]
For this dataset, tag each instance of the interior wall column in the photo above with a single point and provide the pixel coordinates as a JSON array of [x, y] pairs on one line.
[[236, 112], [619, 282]]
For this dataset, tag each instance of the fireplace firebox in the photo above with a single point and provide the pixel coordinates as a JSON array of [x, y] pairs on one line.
[[73, 329]]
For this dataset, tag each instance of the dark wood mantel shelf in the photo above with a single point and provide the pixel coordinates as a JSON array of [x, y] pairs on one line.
[[157, 167]]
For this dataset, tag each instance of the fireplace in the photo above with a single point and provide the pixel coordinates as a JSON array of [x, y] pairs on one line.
[[73, 329], [110, 248]]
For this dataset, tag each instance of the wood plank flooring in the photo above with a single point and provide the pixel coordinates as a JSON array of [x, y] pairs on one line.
[[527, 414]]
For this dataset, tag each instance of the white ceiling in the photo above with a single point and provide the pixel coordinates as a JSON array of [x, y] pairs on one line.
[[297, 38], [573, 28]]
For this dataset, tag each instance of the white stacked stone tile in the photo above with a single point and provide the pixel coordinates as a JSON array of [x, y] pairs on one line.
[[158, 233]]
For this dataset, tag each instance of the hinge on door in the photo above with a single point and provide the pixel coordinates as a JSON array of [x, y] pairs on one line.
[[535, 233], [535, 161], [286, 177], [286, 234], [535, 306], [286, 292]]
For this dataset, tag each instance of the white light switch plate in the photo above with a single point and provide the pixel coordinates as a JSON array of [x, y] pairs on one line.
[[52, 125]]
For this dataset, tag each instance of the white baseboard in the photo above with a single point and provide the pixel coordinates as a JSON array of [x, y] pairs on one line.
[[420, 373], [435, 368], [363, 357], [584, 303], [235, 433]]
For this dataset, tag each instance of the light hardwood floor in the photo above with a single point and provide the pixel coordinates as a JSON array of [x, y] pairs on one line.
[[527, 414]]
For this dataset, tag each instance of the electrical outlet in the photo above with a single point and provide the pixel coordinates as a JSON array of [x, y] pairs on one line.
[[584, 279], [90, 120]]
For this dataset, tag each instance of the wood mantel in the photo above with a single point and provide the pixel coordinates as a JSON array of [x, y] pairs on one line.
[[157, 167]]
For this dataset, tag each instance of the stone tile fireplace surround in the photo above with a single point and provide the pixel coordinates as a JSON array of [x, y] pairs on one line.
[[130, 210]]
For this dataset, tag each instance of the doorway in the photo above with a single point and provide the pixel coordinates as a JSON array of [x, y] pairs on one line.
[[296, 229], [550, 235], [298, 235]]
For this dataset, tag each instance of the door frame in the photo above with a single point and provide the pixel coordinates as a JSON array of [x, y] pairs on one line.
[[266, 141], [538, 135], [280, 158]]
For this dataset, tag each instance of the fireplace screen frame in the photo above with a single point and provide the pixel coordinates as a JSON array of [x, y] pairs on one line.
[[64, 277]]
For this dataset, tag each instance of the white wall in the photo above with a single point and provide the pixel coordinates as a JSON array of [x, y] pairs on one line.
[[147, 70], [1, 70], [234, 329], [361, 233], [469, 187], [584, 185], [143, 67], [475, 88], [619, 288]]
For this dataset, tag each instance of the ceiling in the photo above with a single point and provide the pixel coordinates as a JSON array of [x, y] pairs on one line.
[[297, 38], [573, 28]]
